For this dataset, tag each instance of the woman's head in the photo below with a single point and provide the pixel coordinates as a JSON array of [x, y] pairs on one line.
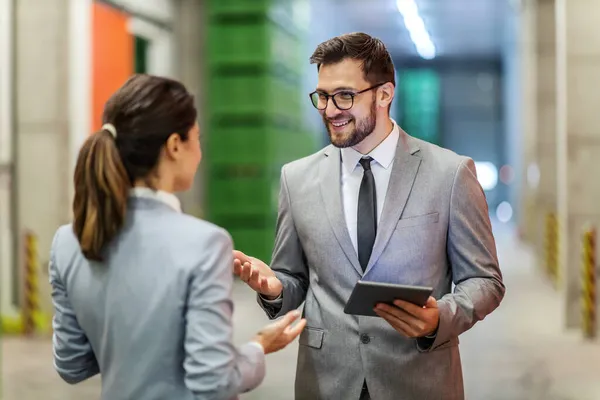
[[155, 144]]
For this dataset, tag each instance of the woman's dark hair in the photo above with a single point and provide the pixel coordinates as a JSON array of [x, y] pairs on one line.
[[376, 61], [144, 112]]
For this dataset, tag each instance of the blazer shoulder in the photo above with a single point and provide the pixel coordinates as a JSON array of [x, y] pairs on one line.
[[187, 227], [300, 167], [64, 246], [442, 158], [64, 237]]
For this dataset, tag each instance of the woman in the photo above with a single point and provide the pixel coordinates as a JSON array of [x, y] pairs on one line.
[[141, 291]]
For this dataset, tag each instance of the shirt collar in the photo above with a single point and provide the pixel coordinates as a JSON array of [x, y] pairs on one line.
[[383, 154], [165, 197]]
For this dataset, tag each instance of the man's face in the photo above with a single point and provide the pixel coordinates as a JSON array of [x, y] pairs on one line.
[[347, 128]]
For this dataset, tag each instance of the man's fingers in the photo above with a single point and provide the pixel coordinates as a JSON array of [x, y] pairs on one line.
[[246, 270], [396, 323], [237, 267], [264, 284], [410, 308], [240, 256], [254, 277], [413, 322], [400, 314], [431, 302]]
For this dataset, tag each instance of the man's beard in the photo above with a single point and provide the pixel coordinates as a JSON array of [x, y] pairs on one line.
[[362, 129]]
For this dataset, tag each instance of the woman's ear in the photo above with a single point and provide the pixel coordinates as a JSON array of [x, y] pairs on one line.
[[173, 146]]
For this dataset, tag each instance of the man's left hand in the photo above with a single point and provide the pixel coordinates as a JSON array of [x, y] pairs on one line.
[[409, 319]]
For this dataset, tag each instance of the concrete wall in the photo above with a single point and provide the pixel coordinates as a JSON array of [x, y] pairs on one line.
[[42, 123], [188, 50], [6, 156]]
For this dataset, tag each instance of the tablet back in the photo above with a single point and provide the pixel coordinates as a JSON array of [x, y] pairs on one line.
[[366, 295]]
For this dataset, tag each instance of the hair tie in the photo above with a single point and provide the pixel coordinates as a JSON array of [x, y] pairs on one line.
[[111, 129]]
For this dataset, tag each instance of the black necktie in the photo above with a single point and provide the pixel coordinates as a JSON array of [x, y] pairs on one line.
[[366, 228]]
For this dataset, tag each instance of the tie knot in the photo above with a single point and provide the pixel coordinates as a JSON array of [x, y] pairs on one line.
[[366, 163]]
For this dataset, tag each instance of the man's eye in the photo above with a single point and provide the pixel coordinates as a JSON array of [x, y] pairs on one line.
[[345, 95]]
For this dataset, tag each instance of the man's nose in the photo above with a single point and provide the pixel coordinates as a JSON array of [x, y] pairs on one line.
[[331, 111]]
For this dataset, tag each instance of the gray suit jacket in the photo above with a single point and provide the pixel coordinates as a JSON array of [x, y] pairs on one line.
[[155, 318], [435, 230]]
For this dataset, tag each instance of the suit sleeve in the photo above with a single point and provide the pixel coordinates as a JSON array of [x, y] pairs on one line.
[[289, 261], [214, 368], [471, 250], [74, 359]]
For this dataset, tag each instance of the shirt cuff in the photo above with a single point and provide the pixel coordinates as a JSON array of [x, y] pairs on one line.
[[258, 345], [432, 335], [275, 301]]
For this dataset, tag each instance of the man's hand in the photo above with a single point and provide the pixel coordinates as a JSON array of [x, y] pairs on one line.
[[409, 319], [257, 275]]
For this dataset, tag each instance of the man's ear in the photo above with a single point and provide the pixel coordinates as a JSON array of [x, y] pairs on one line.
[[385, 95]]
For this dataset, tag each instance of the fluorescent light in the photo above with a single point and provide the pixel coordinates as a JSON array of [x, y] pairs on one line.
[[487, 174], [504, 212], [416, 28], [407, 7]]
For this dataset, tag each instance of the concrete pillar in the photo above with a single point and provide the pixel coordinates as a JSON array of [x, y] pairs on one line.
[[546, 150], [7, 263], [578, 54], [189, 30], [41, 125], [525, 40]]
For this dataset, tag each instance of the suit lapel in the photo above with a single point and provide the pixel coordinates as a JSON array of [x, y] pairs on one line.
[[331, 193], [404, 171]]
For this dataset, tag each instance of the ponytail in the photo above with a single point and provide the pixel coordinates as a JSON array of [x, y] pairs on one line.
[[101, 189]]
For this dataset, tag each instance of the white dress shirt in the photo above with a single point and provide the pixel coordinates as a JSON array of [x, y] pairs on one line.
[[168, 198], [352, 174]]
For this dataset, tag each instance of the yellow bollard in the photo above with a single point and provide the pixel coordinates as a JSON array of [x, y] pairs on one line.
[[12, 325], [551, 246], [588, 298], [31, 305]]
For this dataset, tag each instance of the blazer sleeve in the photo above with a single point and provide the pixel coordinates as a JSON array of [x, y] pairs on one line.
[[74, 359], [289, 261], [471, 250], [214, 368]]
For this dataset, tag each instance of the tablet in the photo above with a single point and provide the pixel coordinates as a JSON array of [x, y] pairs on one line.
[[366, 295]]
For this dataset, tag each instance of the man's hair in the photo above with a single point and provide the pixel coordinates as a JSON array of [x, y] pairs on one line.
[[376, 61]]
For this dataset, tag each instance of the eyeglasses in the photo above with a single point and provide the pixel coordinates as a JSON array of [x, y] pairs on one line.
[[343, 100]]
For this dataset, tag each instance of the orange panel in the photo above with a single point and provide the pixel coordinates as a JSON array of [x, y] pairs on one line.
[[112, 56]]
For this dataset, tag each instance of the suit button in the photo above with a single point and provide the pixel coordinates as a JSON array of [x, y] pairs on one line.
[[365, 338]]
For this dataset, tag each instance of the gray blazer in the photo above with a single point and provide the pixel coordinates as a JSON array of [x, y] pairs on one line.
[[435, 230], [155, 319]]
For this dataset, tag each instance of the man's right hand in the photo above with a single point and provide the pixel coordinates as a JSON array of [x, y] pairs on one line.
[[257, 275]]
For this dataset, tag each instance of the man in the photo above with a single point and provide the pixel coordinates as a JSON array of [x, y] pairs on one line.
[[377, 205]]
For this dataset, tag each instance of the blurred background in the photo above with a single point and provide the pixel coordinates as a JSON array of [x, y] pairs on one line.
[[514, 84]]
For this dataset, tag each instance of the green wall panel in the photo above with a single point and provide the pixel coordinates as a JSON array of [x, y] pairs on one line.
[[420, 104], [254, 114], [141, 54]]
